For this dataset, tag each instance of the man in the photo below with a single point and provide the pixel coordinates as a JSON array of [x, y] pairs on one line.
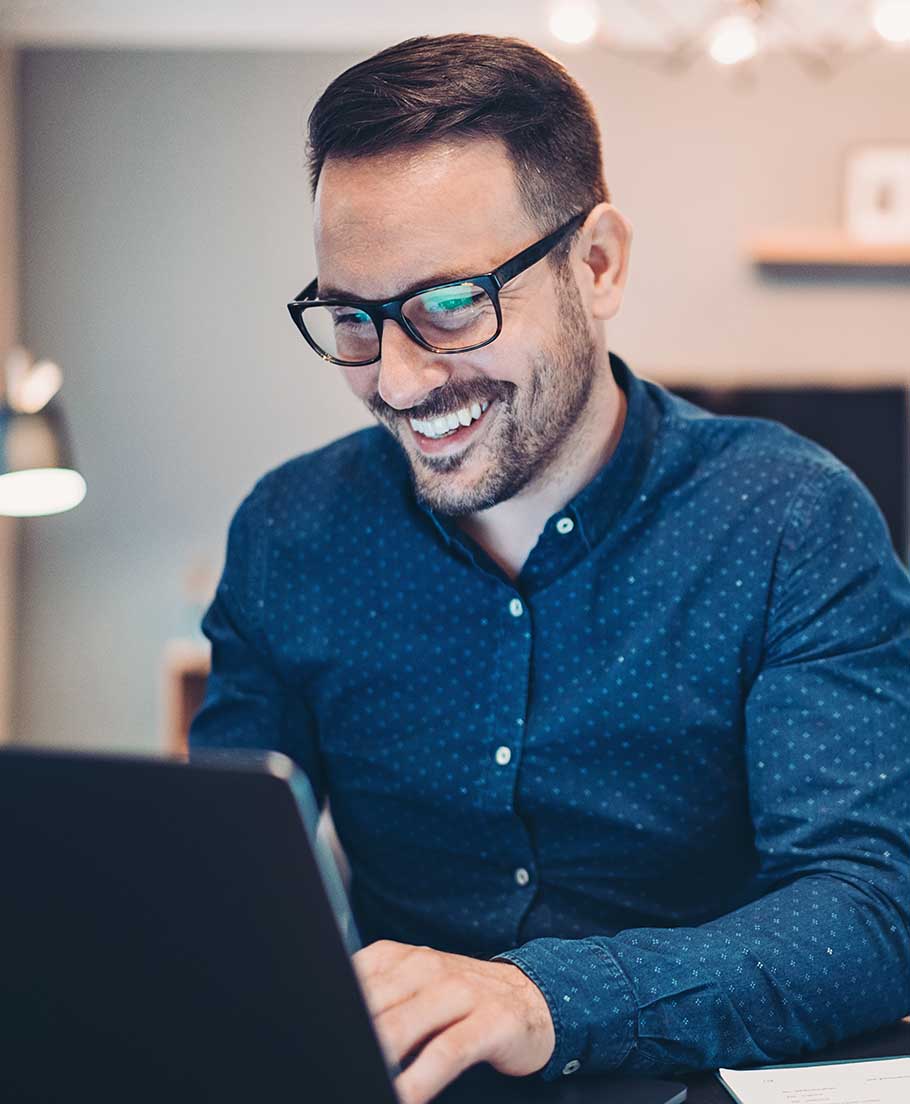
[[610, 695]]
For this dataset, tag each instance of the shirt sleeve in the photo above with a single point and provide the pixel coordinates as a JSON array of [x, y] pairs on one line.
[[822, 950], [247, 704]]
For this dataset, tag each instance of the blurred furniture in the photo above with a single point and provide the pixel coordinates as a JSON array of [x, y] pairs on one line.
[[186, 669]]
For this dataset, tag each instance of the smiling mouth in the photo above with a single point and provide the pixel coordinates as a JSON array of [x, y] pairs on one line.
[[435, 434], [447, 424]]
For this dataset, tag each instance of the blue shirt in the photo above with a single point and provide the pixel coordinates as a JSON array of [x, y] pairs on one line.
[[666, 772]]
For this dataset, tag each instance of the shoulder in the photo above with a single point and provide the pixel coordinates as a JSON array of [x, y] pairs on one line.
[[364, 459], [331, 486], [736, 450]]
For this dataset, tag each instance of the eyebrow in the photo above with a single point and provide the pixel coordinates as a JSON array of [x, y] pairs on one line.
[[329, 292]]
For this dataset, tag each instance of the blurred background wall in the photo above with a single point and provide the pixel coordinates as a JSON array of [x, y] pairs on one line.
[[165, 221]]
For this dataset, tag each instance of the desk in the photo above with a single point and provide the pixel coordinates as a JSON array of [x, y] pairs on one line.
[[704, 1088]]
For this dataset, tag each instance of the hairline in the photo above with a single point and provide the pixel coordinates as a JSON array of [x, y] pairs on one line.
[[538, 213]]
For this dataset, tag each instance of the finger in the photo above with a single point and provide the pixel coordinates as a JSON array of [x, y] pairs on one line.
[[407, 1025], [378, 957], [403, 980], [441, 1061]]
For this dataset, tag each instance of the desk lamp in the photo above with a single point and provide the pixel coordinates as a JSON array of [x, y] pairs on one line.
[[37, 475]]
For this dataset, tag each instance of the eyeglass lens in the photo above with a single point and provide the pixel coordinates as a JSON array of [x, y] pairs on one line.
[[453, 317]]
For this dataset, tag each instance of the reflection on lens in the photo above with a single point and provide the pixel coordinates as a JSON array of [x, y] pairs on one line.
[[342, 332], [455, 316]]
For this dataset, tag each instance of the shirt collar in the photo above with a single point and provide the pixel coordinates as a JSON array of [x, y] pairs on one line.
[[599, 504]]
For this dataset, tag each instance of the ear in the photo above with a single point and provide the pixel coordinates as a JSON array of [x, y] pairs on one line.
[[605, 242]]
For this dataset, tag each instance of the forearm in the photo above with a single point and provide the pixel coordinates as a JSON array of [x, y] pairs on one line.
[[824, 958]]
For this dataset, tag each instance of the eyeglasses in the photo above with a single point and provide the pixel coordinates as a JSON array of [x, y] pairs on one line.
[[454, 317]]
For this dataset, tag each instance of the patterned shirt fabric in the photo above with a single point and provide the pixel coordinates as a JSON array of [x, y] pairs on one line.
[[665, 772]]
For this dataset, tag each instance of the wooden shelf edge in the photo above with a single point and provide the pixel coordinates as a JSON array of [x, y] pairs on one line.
[[780, 375], [824, 247]]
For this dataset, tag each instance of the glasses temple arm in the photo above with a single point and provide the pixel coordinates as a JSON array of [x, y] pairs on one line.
[[534, 252]]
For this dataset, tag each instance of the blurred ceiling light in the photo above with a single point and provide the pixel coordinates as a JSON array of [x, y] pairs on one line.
[[734, 40], [732, 32], [37, 475], [574, 21], [891, 18]]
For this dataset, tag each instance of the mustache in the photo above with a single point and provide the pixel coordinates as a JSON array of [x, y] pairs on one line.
[[444, 399]]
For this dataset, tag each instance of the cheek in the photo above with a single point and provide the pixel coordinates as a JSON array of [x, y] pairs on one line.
[[506, 360], [364, 382], [529, 334]]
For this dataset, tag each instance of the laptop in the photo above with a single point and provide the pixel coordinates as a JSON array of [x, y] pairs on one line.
[[176, 932]]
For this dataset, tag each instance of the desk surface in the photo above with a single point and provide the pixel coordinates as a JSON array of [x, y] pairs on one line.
[[704, 1088]]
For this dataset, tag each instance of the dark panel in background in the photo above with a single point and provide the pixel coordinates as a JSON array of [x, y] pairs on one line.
[[867, 429]]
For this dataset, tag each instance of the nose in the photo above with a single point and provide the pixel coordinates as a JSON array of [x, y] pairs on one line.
[[407, 372]]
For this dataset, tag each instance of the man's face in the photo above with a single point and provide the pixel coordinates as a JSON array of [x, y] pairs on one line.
[[385, 225]]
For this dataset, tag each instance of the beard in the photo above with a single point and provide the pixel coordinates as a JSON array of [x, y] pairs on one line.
[[533, 422]]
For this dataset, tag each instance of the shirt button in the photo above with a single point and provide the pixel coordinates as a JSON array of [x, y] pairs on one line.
[[503, 755], [516, 608], [522, 876], [565, 525], [571, 1067]]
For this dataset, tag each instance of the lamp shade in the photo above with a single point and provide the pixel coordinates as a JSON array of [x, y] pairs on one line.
[[37, 474]]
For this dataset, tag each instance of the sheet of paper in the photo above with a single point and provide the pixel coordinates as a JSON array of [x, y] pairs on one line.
[[875, 1081]]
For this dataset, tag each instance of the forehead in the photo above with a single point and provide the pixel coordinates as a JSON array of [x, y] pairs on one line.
[[386, 222]]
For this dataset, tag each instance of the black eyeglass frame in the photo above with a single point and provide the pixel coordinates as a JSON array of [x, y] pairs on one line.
[[379, 309]]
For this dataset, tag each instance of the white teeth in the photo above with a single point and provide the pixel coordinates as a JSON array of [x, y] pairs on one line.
[[447, 423]]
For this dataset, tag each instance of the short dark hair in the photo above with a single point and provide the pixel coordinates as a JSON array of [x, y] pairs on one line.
[[462, 86]]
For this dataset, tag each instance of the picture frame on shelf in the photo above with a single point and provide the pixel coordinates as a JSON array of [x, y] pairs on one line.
[[877, 193]]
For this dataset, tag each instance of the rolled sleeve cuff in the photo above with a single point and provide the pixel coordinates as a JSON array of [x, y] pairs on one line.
[[590, 1000]]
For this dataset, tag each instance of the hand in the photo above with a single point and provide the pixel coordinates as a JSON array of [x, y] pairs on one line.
[[451, 1012]]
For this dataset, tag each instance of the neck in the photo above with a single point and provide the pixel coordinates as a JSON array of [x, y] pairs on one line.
[[509, 530]]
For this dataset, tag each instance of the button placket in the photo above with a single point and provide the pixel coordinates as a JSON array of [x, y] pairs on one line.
[[503, 754]]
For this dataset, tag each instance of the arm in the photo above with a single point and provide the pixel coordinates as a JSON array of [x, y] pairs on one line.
[[247, 705], [823, 952]]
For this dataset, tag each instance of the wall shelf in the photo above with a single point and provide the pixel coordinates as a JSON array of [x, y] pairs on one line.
[[824, 247]]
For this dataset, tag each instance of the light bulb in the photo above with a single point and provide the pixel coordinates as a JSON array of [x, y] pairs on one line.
[[574, 21], [733, 40], [892, 20], [40, 491]]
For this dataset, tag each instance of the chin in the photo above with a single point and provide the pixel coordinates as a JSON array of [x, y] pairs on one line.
[[456, 497]]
